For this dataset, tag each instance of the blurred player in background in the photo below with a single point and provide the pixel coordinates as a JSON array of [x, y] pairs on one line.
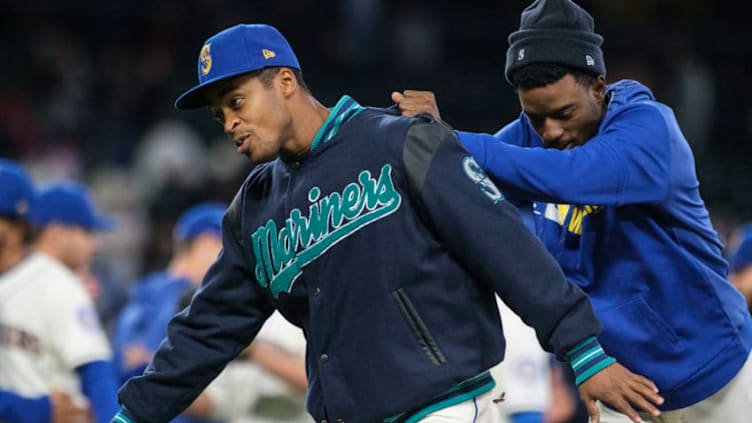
[[617, 202], [524, 377], [267, 383], [740, 263], [531, 386], [382, 239], [54, 355], [142, 325], [68, 224], [278, 355]]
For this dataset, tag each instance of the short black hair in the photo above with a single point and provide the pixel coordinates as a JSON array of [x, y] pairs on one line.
[[266, 75], [538, 75]]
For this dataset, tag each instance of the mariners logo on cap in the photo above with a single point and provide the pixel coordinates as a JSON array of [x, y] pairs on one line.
[[205, 58], [268, 54]]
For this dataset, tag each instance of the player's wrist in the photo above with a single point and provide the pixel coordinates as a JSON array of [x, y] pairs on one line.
[[588, 358], [123, 416]]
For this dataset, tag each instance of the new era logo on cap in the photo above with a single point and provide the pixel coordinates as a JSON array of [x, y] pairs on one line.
[[268, 54], [235, 51]]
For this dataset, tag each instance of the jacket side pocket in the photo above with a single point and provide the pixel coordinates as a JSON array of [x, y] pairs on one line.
[[418, 328]]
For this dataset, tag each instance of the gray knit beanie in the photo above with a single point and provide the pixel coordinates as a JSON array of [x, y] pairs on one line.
[[556, 31]]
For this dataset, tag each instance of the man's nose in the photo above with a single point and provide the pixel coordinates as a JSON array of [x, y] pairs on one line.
[[231, 122], [552, 132]]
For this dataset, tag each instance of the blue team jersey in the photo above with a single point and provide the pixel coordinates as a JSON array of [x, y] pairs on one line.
[[624, 218], [154, 300]]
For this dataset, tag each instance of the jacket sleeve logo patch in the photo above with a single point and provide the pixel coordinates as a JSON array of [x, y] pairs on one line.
[[476, 174]]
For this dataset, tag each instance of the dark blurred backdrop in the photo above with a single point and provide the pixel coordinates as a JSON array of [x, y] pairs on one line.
[[86, 86]]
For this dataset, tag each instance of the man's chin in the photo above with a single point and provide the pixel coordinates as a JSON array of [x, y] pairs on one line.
[[259, 159]]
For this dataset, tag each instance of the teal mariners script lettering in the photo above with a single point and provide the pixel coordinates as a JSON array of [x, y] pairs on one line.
[[282, 251]]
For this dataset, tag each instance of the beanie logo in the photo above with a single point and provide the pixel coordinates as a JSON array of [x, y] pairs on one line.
[[589, 60], [268, 54], [521, 54], [204, 57]]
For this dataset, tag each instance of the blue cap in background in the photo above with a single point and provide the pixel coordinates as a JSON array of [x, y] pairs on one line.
[[237, 50], [16, 190], [742, 256], [200, 219], [68, 203]]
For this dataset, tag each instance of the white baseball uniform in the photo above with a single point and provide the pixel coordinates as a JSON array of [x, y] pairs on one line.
[[525, 375], [48, 328], [244, 392]]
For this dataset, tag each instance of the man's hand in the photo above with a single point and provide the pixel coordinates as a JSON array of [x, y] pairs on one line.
[[64, 410], [412, 103], [621, 389]]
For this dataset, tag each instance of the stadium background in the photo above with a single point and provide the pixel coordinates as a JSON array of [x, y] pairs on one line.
[[86, 91]]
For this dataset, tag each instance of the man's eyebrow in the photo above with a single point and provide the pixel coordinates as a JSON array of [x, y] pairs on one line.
[[222, 91], [562, 108]]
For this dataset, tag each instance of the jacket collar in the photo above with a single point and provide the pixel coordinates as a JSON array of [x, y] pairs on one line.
[[345, 109]]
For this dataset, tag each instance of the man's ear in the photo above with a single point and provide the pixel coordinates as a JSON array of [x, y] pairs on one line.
[[287, 81], [599, 88]]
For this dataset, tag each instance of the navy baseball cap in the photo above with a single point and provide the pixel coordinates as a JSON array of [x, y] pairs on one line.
[[16, 190], [200, 219], [68, 203], [237, 50]]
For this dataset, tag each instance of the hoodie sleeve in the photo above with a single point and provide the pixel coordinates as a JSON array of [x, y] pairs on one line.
[[224, 316], [628, 162], [484, 232]]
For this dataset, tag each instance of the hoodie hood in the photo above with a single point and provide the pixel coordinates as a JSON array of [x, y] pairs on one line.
[[625, 92]]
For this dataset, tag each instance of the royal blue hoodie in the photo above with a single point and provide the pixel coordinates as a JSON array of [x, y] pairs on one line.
[[623, 216]]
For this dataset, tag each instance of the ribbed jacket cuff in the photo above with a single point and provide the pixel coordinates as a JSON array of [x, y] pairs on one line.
[[588, 358], [123, 416]]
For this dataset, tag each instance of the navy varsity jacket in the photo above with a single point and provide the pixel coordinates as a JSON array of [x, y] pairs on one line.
[[385, 244]]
